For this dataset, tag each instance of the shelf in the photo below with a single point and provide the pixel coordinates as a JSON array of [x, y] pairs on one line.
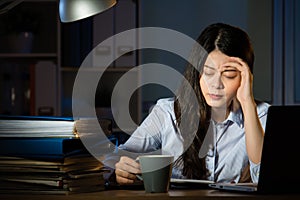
[[48, 67], [30, 59], [109, 69], [28, 55]]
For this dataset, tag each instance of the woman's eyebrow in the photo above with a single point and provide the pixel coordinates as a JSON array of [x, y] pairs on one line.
[[229, 68], [210, 67]]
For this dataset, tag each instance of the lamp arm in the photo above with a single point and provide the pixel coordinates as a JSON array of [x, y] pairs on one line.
[[8, 6]]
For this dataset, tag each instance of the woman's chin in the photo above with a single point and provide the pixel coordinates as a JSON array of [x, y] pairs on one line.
[[217, 104]]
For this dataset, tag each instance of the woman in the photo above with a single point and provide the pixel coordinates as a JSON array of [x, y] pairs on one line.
[[225, 144]]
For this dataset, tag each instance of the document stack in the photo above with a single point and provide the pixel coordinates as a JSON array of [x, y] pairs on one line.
[[46, 155]]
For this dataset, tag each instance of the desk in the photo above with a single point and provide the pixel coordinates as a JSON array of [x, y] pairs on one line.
[[197, 194]]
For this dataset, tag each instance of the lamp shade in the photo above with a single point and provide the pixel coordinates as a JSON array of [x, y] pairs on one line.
[[73, 10]]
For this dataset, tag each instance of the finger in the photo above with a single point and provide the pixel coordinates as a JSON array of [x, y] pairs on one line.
[[234, 64], [125, 166], [125, 174], [123, 181], [130, 163], [237, 59], [238, 63], [243, 69], [129, 169]]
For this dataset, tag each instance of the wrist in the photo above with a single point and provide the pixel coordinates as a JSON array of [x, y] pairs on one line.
[[248, 105]]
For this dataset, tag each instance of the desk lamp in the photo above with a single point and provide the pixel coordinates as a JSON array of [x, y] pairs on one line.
[[73, 10]]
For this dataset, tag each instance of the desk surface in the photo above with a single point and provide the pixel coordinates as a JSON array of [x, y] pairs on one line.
[[141, 195]]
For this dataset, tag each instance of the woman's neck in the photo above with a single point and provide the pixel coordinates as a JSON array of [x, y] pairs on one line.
[[220, 114]]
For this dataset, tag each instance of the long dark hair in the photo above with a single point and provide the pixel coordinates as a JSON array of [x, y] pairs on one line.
[[231, 41]]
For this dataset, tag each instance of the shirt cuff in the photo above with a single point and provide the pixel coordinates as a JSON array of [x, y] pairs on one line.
[[254, 171]]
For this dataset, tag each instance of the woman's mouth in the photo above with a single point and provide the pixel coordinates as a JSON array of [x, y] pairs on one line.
[[215, 96]]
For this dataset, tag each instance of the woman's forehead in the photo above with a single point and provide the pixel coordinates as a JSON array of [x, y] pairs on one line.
[[217, 60]]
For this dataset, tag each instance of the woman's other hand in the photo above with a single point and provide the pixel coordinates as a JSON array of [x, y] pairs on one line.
[[126, 170]]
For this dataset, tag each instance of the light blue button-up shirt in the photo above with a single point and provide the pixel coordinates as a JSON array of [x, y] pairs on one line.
[[226, 159]]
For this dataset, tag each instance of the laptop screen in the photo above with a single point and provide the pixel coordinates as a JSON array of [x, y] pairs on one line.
[[279, 171]]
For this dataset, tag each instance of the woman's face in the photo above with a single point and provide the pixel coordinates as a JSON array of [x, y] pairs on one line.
[[219, 81]]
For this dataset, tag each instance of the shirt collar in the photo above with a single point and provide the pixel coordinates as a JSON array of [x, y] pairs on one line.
[[236, 117]]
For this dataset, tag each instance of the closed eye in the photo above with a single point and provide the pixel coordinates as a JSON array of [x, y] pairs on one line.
[[209, 71], [230, 73]]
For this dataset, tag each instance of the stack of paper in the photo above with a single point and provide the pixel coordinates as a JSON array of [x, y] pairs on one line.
[[34, 126], [33, 160], [78, 173]]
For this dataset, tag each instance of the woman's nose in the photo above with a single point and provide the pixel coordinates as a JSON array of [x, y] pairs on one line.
[[216, 82]]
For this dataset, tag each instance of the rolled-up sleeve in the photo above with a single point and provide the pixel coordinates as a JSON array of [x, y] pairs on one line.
[[262, 114], [254, 171]]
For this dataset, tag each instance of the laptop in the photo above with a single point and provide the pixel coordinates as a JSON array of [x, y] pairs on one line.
[[279, 171]]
